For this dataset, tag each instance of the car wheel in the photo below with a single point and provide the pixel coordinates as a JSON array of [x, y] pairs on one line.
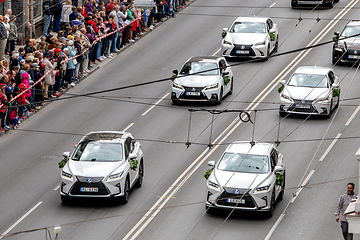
[[330, 111], [336, 1], [220, 95], [282, 113], [270, 213], [125, 198], [337, 103], [334, 61], [141, 176], [232, 86], [282, 191], [65, 199], [209, 209]]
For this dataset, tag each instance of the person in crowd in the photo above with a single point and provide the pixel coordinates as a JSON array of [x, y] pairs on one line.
[[110, 6], [59, 70], [3, 38], [76, 22], [86, 44], [14, 118], [5, 64], [14, 60], [89, 6], [65, 14], [53, 41], [12, 34], [77, 47], [67, 31], [7, 27], [114, 14], [39, 98], [47, 12], [28, 47], [3, 100], [75, 30], [56, 10], [71, 64], [8, 14], [110, 38], [48, 66], [79, 9], [74, 14]]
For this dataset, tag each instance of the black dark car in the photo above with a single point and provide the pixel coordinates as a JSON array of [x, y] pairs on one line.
[[326, 3], [348, 49]]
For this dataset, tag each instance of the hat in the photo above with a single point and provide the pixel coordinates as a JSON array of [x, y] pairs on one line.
[[62, 38], [22, 85], [28, 60], [57, 50], [65, 49], [25, 75], [46, 54], [35, 65], [70, 43], [22, 61], [70, 37]]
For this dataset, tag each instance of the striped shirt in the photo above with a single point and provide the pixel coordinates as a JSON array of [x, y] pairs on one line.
[[343, 203]]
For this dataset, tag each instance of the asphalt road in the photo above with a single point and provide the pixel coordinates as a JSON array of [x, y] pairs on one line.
[[29, 175]]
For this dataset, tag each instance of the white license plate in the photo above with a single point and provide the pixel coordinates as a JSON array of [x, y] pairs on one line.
[[192, 93], [354, 56], [89, 189], [232, 200], [242, 51], [302, 106]]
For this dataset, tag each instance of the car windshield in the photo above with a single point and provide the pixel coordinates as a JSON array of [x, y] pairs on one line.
[[98, 151], [246, 163], [350, 31], [248, 27], [308, 80], [196, 67]]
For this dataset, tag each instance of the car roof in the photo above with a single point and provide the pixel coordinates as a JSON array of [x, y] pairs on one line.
[[203, 58], [246, 148], [251, 19], [113, 136], [313, 70]]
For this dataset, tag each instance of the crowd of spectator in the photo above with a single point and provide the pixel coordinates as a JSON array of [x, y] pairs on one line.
[[74, 39]]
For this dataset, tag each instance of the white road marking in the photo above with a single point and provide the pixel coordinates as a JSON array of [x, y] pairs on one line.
[[127, 128], [275, 226], [147, 111], [272, 5], [57, 187], [230, 129], [20, 219], [330, 147], [302, 185], [216, 52], [352, 116]]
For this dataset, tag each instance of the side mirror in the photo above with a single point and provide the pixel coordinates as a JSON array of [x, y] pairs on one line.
[[278, 169], [211, 164], [176, 72], [225, 29], [272, 30], [66, 154], [335, 85], [282, 82], [132, 156], [336, 34], [225, 73]]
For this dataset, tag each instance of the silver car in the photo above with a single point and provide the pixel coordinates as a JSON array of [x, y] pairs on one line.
[[310, 90], [203, 78], [247, 177], [250, 37], [104, 164]]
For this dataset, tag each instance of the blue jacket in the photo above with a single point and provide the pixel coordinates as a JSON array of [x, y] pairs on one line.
[[46, 7], [72, 53]]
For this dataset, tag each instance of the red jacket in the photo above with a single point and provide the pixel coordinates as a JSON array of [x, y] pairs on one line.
[[93, 24], [21, 99]]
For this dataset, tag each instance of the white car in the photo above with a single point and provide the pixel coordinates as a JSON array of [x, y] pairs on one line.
[[310, 90], [245, 178], [250, 37], [105, 164], [203, 78]]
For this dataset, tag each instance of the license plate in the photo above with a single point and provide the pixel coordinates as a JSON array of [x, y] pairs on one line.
[[354, 56], [192, 93], [242, 51], [89, 189], [232, 200], [302, 106]]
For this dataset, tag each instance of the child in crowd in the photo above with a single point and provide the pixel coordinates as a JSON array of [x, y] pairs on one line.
[[14, 118]]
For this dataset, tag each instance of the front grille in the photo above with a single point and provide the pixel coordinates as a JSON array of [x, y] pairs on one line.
[[249, 203], [93, 179], [350, 53], [242, 48], [308, 109], [102, 190], [193, 89]]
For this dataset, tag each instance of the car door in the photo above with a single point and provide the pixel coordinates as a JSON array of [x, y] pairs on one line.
[[130, 148], [274, 157], [223, 70]]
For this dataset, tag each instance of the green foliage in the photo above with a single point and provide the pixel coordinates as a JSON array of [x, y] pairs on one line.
[[281, 88], [173, 77], [223, 34], [63, 162], [226, 79], [280, 179], [272, 36], [207, 174], [336, 92], [133, 164], [335, 39]]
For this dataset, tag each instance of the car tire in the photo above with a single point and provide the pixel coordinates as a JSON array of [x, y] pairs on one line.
[[125, 198], [139, 181], [220, 96], [270, 213], [283, 114], [336, 1], [231, 87], [337, 103], [65, 199], [282, 191], [209, 209]]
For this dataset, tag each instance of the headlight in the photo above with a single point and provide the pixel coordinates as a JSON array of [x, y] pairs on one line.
[[116, 176], [260, 43], [67, 175], [214, 185], [213, 86], [320, 100], [227, 43], [264, 188], [285, 97], [175, 85]]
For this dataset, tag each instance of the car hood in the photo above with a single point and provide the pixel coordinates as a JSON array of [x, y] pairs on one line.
[[247, 38], [239, 179], [305, 93], [92, 169], [197, 80], [352, 43]]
